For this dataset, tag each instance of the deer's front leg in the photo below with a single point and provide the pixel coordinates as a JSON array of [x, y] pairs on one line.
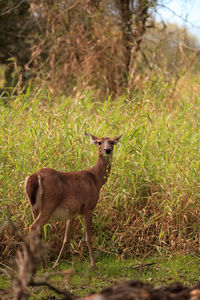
[[88, 229]]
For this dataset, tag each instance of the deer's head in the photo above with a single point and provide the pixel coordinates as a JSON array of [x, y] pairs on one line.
[[105, 145]]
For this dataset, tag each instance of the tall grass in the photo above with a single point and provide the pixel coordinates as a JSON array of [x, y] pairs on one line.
[[151, 200]]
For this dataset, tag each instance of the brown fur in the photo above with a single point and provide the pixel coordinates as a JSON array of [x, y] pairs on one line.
[[32, 188], [64, 195]]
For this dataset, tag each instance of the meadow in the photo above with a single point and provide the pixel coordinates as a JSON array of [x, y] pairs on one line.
[[150, 205]]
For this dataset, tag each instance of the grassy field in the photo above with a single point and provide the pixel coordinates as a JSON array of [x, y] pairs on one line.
[[150, 204], [80, 279], [156, 270]]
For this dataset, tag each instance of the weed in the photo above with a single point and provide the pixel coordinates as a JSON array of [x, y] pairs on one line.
[[150, 203]]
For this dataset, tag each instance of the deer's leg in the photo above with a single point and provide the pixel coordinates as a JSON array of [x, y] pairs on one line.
[[34, 213], [66, 239], [47, 207], [88, 228], [39, 222], [36, 229]]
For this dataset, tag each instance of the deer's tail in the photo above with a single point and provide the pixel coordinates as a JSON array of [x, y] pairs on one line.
[[33, 188]]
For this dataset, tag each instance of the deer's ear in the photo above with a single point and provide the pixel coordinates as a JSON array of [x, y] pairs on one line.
[[116, 139], [93, 139]]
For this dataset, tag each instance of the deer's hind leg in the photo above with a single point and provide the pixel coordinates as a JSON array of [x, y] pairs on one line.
[[67, 236], [43, 213], [36, 228], [34, 213]]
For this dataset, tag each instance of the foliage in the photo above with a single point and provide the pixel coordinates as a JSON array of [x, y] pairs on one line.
[[108, 46], [151, 201], [88, 44], [157, 270], [81, 280], [16, 37]]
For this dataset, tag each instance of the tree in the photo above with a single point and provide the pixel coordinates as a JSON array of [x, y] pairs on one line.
[[16, 27], [73, 45]]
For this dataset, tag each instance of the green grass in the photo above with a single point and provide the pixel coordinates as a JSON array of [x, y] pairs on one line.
[[159, 271], [156, 270], [4, 282], [150, 203]]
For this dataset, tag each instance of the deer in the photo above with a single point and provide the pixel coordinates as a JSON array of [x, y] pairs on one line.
[[62, 196]]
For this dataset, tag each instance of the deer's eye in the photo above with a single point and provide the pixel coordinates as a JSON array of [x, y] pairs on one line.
[[112, 143], [99, 143]]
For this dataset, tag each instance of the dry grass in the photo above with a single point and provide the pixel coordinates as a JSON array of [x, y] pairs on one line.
[[84, 45], [25, 283], [151, 201]]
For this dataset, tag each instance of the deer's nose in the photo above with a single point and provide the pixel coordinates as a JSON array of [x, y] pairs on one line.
[[107, 151]]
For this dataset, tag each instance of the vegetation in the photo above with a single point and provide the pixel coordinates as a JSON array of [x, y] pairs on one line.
[[106, 68], [150, 203], [81, 280], [106, 46], [156, 270]]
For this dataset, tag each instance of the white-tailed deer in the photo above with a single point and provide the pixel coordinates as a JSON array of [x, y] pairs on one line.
[[64, 195]]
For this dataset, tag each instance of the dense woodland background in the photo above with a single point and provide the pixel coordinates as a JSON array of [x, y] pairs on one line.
[[110, 47]]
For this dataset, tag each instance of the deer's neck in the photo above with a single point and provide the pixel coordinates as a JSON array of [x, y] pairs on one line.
[[102, 170]]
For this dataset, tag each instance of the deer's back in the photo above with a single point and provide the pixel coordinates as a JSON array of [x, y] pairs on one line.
[[73, 191]]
